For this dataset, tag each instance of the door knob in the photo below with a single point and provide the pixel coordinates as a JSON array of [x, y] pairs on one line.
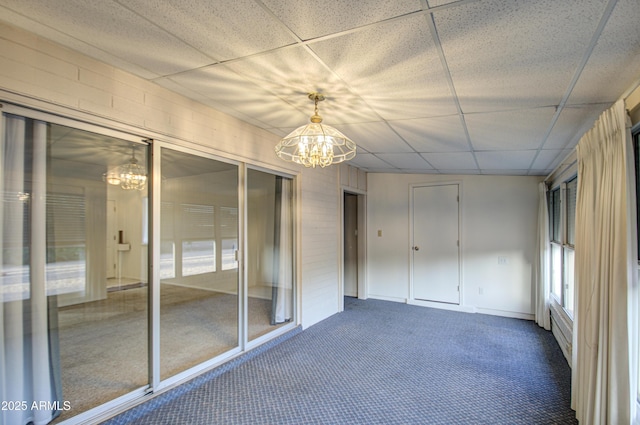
[[416, 248]]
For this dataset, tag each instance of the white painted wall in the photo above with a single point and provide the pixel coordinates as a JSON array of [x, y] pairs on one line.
[[498, 220], [40, 74]]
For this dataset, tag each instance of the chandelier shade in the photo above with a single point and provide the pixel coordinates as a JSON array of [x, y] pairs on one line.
[[130, 176], [316, 144]]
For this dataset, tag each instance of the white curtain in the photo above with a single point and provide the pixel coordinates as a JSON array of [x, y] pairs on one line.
[[282, 293], [542, 263], [26, 356], [605, 274]]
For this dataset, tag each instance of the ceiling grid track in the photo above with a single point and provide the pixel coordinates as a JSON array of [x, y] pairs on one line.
[[443, 60], [576, 76], [470, 87]]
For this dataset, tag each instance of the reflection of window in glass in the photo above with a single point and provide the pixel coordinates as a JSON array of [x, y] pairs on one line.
[[145, 221], [229, 234], [198, 239], [15, 245], [167, 244], [229, 248], [167, 260], [198, 257], [66, 242]]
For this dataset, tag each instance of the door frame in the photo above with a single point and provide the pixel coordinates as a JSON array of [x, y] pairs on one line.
[[411, 299], [362, 245]]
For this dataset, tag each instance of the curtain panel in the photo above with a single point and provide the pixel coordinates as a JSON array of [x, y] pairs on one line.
[[542, 262], [605, 272], [29, 358]]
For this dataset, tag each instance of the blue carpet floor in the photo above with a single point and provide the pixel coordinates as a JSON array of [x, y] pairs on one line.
[[380, 362]]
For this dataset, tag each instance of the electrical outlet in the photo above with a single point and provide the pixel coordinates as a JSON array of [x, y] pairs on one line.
[[502, 260], [480, 291]]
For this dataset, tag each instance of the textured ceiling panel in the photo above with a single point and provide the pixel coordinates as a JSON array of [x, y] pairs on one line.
[[511, 130], [212, 26], [226, 87], [313, 19], [292, 73], [110, 27], [547, 159], [572, 124], [370, 161], [505, 160], [500, 53], [452, 160], [521, 79], [376, 137], [395, 67], [441, 134], [506, 172], [618, 49], [405, 160]]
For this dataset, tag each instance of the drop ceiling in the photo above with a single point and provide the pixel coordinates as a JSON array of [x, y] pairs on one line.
[[422, 86]]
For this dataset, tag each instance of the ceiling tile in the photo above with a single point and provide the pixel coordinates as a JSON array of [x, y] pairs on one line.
[[500, 53], [405, 160], [375, 137], [572, 123], [547, 159], [455, 171], [503, 160], [394, 67], [509, 130], [440, 134], [369, 161], [225, 87], [556, 162], [615, 61], [378, 64], [451, 160], [313, 19], [212, 26], [506, 172], [292, 73], [109, 27]]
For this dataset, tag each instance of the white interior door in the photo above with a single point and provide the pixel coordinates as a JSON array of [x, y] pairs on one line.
[[435, 250]]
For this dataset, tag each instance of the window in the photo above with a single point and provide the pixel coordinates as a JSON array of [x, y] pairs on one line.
[[562, 216]]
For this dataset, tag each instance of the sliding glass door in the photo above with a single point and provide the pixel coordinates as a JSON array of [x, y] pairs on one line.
[[72, 338], [269, 252], [199, 271], [81, 214]]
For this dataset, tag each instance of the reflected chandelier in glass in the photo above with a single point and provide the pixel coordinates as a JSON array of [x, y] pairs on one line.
[[316, 144], [130, 176]]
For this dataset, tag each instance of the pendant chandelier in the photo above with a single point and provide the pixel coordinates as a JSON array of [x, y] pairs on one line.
[[130, 176], [316, 144]]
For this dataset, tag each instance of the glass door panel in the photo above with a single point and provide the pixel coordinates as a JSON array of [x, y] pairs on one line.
[[269, 252], [198, 281], [74, 296]]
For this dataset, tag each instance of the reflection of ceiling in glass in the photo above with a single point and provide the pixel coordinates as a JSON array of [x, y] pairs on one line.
[[82, 154], [177, 164]]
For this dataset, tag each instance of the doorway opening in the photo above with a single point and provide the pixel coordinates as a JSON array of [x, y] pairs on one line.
[[353, 246], [350, 258]]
